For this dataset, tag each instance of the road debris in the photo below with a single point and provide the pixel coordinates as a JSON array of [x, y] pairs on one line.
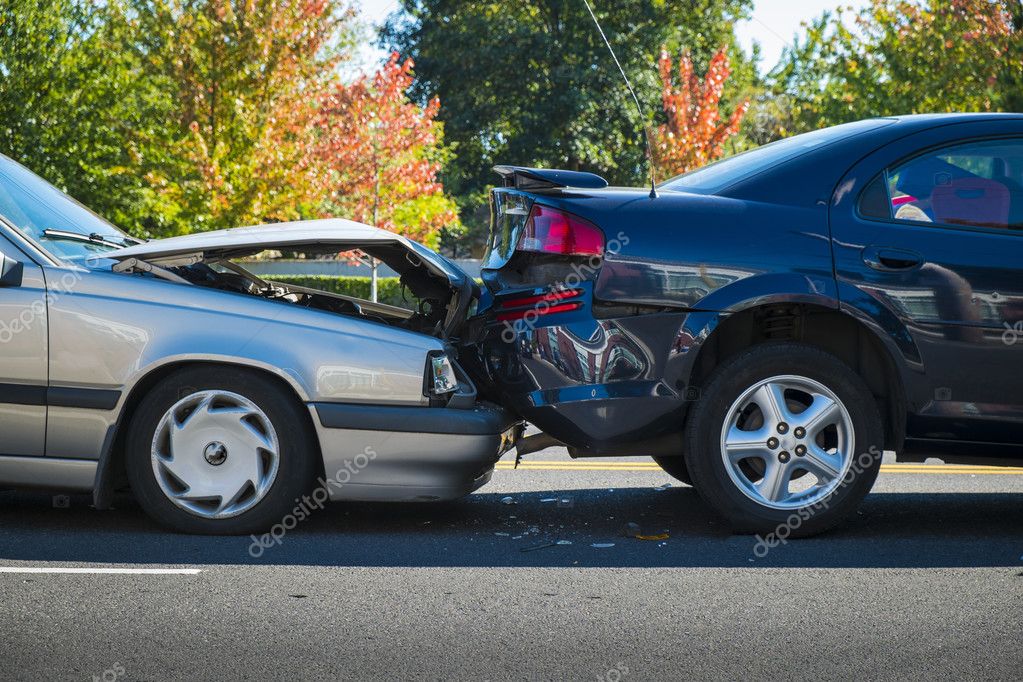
[[632, 530], [508, 500], [603, 545]]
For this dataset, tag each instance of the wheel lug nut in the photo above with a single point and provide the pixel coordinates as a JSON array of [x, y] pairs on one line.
[[800, 450], [772, 442], [783, 428], [800, 432], [783, 456]]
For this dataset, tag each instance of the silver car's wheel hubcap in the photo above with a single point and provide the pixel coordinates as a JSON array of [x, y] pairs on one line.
[[787, 442], [215, 454]]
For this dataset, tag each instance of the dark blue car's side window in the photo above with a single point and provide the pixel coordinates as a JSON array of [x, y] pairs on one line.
[[975, 184], [874, 202]]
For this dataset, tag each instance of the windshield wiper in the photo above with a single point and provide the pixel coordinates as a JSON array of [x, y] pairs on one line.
[[93, 238]]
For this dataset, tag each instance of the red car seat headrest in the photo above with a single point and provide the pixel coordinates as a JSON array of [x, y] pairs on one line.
[[971, 201]]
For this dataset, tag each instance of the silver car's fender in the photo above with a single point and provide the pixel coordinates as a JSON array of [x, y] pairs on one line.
[[110, 331]]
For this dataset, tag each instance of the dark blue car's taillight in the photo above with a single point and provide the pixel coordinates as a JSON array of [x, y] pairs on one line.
[[549, 230], [557, 301]]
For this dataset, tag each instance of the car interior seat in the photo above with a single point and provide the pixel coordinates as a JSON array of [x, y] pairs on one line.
[[1001, 174], [919, 178], [972, 201]]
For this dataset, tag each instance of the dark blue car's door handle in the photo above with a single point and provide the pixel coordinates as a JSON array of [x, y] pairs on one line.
[[891, 260]]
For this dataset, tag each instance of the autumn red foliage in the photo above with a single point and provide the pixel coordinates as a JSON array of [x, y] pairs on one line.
[[694, 134], [381, 154]]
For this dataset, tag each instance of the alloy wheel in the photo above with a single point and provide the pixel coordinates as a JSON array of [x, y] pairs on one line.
[[787, 442]]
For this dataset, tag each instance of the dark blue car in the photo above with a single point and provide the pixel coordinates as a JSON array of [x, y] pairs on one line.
[[768, 325]]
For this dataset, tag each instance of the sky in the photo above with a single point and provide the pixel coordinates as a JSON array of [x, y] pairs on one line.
[[773, 25]]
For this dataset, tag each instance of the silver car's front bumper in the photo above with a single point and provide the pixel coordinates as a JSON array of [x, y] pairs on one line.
[[388, 453]]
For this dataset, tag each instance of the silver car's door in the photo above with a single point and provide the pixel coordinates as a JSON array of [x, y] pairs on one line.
[[23, 353]]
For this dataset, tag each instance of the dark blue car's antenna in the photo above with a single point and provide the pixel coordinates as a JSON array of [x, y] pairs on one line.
[[642, 114]]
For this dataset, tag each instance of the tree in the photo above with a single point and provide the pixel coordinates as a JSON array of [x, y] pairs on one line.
[[172, 116], [378, 156], [694, 134], [246, 76], [73, 105], [382, 154], [531, 82], [905, 56]]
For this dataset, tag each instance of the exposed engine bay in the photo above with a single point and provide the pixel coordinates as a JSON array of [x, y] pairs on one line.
[[432, 303], [436, 297]]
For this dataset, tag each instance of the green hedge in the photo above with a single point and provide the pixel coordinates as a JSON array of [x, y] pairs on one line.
[[388, 288]]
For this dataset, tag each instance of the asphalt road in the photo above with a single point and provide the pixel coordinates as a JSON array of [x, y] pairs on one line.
[[925, 582]]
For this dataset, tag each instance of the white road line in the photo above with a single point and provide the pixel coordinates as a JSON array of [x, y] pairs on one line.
[[112, 571]]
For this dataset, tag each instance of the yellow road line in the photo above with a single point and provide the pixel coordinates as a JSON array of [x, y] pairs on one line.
[[597, 465], [595, 468]]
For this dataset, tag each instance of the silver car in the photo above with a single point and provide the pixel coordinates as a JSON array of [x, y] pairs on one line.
[[220, 398]]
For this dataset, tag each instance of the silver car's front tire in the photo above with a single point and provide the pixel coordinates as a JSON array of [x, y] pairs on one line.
[[215, 454], [219, 450]]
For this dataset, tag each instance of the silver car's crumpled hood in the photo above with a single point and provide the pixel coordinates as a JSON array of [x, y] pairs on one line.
[[240, 242]]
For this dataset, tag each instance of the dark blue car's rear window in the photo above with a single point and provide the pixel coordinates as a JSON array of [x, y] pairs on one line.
[[722, 174]]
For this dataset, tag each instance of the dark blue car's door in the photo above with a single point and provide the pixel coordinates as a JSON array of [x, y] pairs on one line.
[[928, 243]]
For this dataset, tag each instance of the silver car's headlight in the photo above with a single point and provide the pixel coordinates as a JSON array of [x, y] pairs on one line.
[[441, 377]]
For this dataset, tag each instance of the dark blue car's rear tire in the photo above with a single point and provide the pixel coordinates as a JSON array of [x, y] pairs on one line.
[[676, 468], [785, 441]]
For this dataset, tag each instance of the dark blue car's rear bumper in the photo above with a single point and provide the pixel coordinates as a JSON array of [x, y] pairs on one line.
[[593, 383]]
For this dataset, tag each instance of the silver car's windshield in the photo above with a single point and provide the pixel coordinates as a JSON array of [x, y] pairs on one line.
[[54, 221]]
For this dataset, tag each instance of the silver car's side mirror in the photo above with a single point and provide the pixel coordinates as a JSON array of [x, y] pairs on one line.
[[11, 272]]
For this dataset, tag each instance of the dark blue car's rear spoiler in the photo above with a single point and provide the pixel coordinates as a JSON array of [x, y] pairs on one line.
[[521, 177]]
